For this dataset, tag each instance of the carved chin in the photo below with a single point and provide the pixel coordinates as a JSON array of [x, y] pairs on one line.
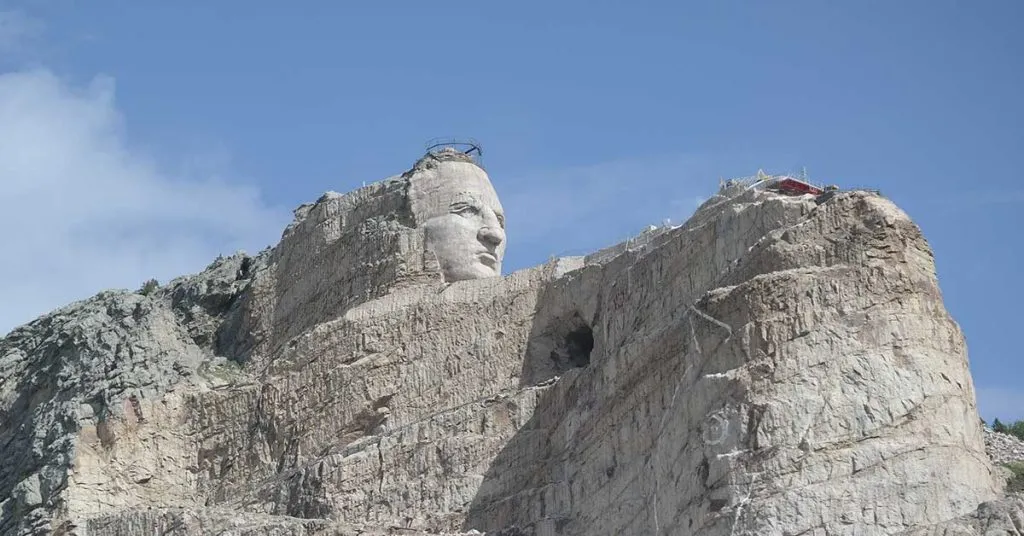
[[473, 269]]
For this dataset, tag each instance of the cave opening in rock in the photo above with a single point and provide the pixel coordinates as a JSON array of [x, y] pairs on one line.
[[571, 342], [578, 345], [558, 343]]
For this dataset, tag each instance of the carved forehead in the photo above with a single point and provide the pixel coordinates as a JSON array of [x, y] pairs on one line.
[[433, 190]]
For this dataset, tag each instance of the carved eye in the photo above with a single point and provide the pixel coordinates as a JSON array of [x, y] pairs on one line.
[[501, 220], [464, 209]]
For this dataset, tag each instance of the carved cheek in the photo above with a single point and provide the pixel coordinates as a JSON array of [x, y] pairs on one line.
[[467, 227], [451, 235]]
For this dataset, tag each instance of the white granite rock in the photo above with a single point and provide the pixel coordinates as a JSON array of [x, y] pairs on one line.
[[772, 366]]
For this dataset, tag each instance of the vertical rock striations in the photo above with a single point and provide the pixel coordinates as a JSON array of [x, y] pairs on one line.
[[776, 365]]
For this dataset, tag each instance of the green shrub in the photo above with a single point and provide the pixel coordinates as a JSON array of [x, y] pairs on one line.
[[1016, 482], [1016, 429], [149, 287]]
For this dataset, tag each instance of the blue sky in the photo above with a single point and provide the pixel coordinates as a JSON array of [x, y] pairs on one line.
[[139, 140]]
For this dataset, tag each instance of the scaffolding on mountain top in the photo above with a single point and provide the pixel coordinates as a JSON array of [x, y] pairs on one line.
[[784, 184]]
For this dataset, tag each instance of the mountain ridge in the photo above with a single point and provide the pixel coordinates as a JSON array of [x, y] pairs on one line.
[[775, 365]]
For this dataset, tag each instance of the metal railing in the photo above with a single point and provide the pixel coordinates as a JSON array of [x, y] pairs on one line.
[[467, 146]]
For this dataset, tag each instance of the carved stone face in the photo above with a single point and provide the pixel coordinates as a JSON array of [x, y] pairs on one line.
[[462, 219]]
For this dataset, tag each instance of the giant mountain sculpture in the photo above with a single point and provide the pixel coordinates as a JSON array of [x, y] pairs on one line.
[[776, 365]]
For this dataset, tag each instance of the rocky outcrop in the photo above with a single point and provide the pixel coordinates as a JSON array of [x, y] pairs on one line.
[[768, 372], [776, 365], [90, 398]]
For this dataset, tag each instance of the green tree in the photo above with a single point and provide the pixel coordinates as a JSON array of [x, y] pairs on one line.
[[1016, 429], [149, 287]]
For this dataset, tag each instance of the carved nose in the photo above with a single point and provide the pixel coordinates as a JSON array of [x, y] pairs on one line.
[[491, 236]]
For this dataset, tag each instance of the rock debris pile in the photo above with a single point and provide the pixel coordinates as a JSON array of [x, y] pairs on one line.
[[1003, 448]]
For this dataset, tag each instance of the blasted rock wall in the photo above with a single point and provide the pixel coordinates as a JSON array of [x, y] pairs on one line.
[[774, 366], [340, 251], [785, 368]]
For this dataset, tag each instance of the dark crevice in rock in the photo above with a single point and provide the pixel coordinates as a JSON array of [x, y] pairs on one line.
[[564, 343], [577, 345]]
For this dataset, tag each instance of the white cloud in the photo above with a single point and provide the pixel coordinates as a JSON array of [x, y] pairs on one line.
[[999, 402], [82, 211]]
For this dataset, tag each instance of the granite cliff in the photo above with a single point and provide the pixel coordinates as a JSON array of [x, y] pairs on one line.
[[775, 365]]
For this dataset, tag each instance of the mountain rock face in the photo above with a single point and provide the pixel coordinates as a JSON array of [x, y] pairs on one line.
[[776, 365]]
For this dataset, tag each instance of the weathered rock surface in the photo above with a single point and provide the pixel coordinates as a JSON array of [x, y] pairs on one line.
[[774, 366], [90, 398], [994, 518]]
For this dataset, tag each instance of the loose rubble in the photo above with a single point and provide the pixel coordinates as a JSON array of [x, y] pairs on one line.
[[1003, 448]]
